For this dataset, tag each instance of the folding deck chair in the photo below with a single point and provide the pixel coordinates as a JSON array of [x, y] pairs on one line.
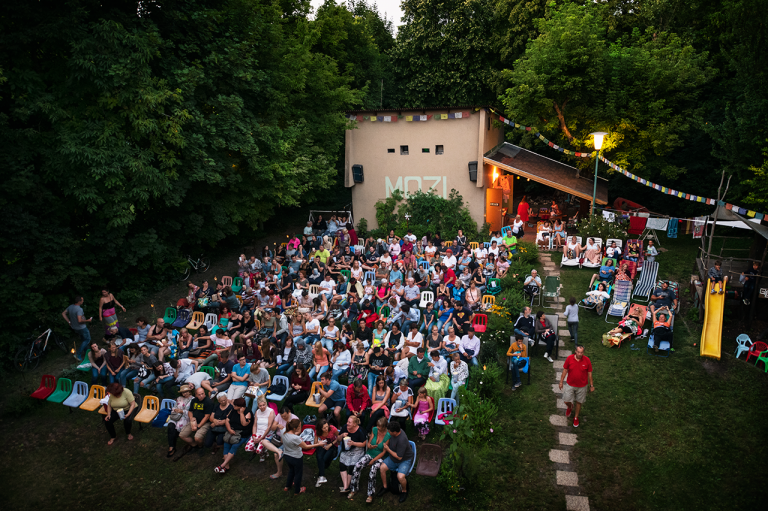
[[608, 289], [645, 283], [622, 294], [551, 290], [640, 311], [634, 267]]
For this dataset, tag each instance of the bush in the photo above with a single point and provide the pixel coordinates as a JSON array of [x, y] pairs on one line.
[[486, 380], [448, 478], [362, 228], [599, 227]]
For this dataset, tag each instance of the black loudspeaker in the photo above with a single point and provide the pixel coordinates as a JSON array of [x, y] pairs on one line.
[[357, 173], [473, 171]]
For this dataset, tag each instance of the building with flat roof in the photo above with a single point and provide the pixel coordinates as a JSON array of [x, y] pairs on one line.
[[440, 149]]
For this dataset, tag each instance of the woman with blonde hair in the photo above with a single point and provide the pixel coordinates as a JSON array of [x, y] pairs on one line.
[[423, 406], [320, 361]]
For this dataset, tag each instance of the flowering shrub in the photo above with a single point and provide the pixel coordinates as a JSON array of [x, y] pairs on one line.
[[599, 227]]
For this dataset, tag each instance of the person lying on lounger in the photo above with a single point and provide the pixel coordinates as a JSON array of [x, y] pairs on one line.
[[605, 274], [597, 297], [662, 327], [628, 326]]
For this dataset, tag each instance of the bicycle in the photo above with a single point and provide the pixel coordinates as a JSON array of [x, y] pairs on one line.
[[29, 357], [200, 265]]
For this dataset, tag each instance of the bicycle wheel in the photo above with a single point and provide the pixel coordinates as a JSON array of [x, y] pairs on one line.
[[205, 263], [26, 361], [60, 342], [185, 275]]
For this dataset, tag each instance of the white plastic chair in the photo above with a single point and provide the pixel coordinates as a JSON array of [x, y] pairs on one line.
[[78, 396], [426, 297], [314, 290], [211, 320], [444, 405]]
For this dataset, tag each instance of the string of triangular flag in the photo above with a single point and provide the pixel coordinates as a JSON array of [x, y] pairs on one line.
[[666, 190], [409, 118]]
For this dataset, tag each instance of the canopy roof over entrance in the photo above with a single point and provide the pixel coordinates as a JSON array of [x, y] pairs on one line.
[[543, 170]]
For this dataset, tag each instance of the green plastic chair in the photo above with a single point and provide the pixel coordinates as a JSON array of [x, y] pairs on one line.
[[551, 290], [494, 287], [383, 311], [237, 285], [763, 356], [347, 274], [210, 370], [62, 392], [170, 315]]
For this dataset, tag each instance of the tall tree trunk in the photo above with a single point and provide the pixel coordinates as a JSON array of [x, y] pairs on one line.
[[561, 118]]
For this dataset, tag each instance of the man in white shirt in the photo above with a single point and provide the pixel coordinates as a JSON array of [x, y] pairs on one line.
[[481, 254], [410, 237], [327, 287], [449, 261], [470, 347], [412, 293], [312, 330], [532, 285], [183, 368], [413, 342]]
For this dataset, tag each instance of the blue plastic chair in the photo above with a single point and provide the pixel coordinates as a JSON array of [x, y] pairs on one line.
[[743, 343], [279, 397], [444, 405], [413, 461], [505, 229], [167, 404], [487, 244], [424, 264], [369, 275], [78, 396]]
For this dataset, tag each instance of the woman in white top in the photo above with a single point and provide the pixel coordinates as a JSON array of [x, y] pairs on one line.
[[386, 261], [262, 429], [517, 226], [331, 334], [591, 251], [544, 232], [357, 271], [597, 297], [341, 360], [572, 249], [493, 249], [429, 251]]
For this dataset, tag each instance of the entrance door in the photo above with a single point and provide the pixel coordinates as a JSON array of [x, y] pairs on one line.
[[493, 207]]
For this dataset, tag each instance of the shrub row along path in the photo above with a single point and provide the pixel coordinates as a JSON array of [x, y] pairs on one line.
[[566, 474]]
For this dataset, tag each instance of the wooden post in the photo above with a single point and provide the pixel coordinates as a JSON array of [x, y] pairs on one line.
[[714, 222], [756, 294]]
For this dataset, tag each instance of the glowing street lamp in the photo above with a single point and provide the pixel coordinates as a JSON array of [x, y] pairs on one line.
[[598, 139]]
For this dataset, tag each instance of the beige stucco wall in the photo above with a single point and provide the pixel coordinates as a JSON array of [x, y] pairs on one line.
[[463, 140]]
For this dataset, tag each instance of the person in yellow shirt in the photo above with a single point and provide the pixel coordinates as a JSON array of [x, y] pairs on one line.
[[518, 351], [324, 255]]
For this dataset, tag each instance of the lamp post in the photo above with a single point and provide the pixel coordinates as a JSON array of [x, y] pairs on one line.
[[598, 139], [407, 221]]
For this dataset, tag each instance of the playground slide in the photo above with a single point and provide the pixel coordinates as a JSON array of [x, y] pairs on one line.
[[711, 334]]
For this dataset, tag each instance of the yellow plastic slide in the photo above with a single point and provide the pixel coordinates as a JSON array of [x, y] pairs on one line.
[[711, 334]]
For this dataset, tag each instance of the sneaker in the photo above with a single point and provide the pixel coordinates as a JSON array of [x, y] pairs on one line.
[[720, 292], [518, 384], [549, 358], [575, 422], [344, 490], [746, 302], [568, 411], [712, 292]]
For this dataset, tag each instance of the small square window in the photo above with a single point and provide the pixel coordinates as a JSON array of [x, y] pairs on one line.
[[404, 150], [438, 149], [391, 150], [425, 150]]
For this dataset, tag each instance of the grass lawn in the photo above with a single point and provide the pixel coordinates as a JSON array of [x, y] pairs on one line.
[[676, 433]]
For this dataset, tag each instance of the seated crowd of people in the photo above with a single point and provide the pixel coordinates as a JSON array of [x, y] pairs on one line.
[[363, 344]]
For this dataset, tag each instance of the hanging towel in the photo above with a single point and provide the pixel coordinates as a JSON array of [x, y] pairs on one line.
[[672, 229], [687, 226], [698, 226], [657, 223], [646, 215], [637, 224], [609, 216]]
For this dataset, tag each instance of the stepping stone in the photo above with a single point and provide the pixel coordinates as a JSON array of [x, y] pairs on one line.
[[564, 333], [567, 478], [558, 364], [565, 353], [558, 420], [576, 503], [556, 390], [567, 438], [561, 404], [559, 456], [562, 324], [560, 299], [554, 273], [560, 343], [558, 376]]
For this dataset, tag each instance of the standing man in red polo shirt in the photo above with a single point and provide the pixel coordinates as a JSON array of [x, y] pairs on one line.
[[578, 370]]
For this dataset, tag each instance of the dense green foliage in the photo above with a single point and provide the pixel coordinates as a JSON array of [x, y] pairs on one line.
[[132, 136], [428, 213]]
